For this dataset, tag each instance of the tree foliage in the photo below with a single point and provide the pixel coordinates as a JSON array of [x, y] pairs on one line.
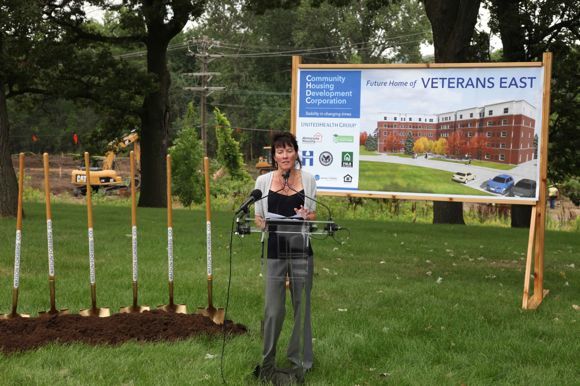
[[228, 149], [186, 166]]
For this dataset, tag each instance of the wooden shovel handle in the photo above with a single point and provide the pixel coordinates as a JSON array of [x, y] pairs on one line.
[[46, 186], [133, 190], [169, 203], [88, 185], [207, 197], [20, 191]]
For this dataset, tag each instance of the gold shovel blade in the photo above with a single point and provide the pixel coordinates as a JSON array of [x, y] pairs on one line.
[[134, 309], [14, 316], [99, 312], [217, 315], [173, 308], [62, 312]]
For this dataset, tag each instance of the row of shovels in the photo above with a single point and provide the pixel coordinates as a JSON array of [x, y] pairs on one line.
[[217, 315]]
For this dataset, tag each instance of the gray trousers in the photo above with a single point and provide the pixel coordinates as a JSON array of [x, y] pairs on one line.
[[300, 272]]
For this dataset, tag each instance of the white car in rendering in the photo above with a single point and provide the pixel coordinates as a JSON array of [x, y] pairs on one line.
[[463, 177]]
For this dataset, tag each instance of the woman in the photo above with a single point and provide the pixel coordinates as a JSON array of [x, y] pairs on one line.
[[291, 193]]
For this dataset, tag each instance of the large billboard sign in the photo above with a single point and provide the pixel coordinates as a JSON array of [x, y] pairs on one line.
[[449, 132]]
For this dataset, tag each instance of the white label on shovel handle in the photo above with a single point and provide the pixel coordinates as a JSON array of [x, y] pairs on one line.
[[91, 256], [134, 245], [170, 252], [17, 258], [50, 248], [208, 245]]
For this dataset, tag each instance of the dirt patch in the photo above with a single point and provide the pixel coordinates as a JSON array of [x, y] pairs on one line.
[[61, 167], [22, 334]]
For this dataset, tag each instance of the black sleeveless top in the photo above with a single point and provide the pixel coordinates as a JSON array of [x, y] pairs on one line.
[[281, 246]]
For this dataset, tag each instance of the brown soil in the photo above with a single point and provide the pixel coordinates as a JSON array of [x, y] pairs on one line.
[[21, 334]]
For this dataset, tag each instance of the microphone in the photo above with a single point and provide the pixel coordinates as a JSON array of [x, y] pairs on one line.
[[254, 196], [285, 176], [331, 227]]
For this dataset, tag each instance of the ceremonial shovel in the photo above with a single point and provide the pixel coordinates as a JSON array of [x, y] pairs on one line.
[[217, 315], [51, 274], [171, 307], [135, 308], [14, 313], [94, 310]]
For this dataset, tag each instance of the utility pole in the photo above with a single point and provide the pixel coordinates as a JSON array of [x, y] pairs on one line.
[[204, 44]]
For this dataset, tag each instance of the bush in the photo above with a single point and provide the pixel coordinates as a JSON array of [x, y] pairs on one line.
[[571, 189], [186, 166]]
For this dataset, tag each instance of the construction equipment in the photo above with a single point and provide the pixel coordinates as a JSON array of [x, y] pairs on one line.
[[105, 176], [264, 164]]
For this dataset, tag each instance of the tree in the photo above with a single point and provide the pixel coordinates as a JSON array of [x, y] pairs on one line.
[[455, 144], [409, 144], [440, 146], [453, 24], [186, 166], [152, 23], [391, 143], [228, 150], [527, 29], [371, 143], [422, 145], [363, 138]]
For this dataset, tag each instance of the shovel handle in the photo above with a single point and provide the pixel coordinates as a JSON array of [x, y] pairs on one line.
[[169, 229], [89, 192], [169, 195], [45, 165], [133, 218], [20, 190], [18, 241]]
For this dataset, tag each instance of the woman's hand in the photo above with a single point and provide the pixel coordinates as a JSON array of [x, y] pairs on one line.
[[302, 212]]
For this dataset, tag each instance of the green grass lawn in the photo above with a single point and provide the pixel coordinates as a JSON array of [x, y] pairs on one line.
[[363, 151], [390, 177], [484, 164], [396, 303]]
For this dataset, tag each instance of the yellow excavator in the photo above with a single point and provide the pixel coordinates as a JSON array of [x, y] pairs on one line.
[[264, 164], [105, 176]]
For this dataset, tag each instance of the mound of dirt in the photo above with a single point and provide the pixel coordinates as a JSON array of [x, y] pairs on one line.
[[21, 334]]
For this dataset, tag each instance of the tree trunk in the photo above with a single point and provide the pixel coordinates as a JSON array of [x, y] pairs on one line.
[[453, 23], [8, 183], [521, 216], [155, 124], [511, 29]]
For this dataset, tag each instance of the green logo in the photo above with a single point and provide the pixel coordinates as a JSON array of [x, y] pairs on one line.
[[343, 138], [347, 159]]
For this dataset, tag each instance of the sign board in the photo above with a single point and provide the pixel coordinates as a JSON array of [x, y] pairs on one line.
[[465, 132]]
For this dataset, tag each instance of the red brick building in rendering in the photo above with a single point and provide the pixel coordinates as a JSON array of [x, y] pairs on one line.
[[500, 132]]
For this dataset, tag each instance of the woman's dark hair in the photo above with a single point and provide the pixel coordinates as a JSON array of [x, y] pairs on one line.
[[282, 140]]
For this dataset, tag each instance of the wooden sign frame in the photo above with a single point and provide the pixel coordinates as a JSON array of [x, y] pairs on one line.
[[535, 250]]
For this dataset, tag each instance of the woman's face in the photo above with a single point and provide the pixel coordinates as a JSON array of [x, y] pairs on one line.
[[285, 157]]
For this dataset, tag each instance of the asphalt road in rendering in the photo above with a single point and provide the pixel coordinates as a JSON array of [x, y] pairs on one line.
[[482, 174]]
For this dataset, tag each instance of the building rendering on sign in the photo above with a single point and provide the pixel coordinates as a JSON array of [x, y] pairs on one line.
[[500, 132]]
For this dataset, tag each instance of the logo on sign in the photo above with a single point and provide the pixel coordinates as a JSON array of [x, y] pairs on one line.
[[347, 178], [308, 157], [343, 138], [325, 158], [347, 159], [316, 138]]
